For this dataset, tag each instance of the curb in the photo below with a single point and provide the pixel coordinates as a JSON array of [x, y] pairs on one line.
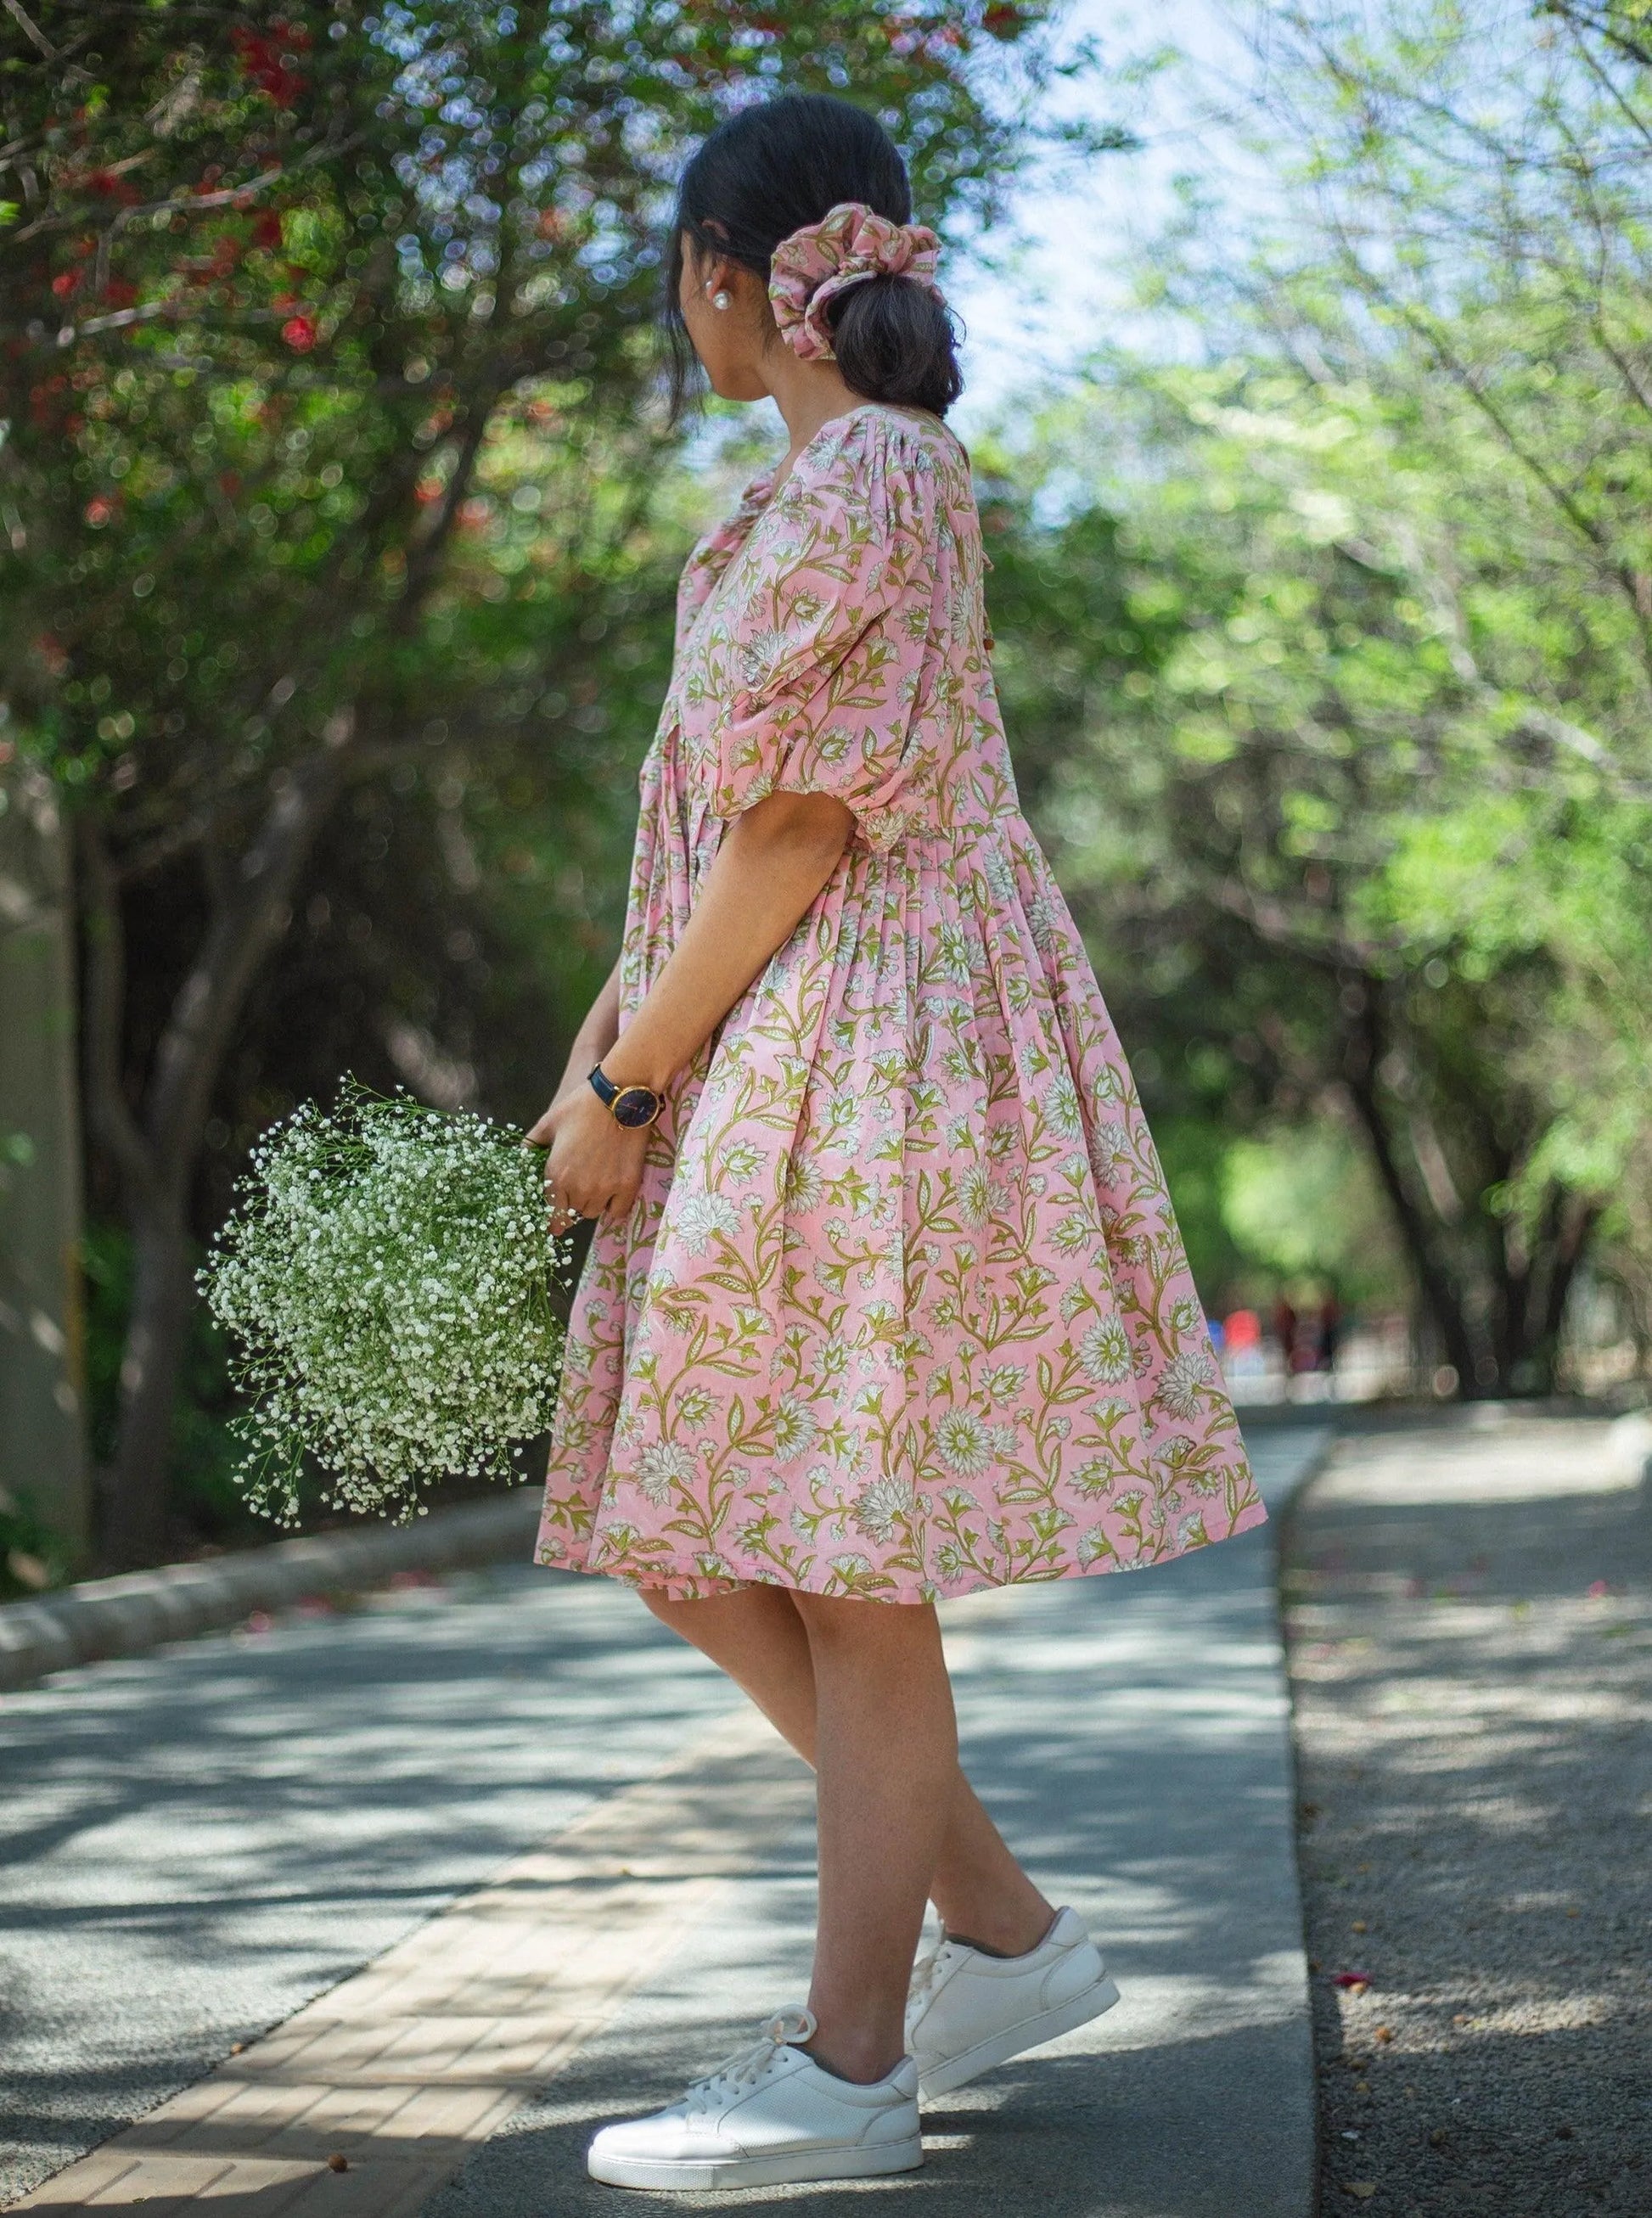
[[105, 1618], [1282, 1512]]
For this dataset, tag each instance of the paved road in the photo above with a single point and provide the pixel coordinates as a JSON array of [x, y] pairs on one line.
[[1472, 1648], [200, 1841]]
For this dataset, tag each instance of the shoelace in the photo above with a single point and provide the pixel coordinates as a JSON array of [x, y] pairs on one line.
[[738, 2074], [923, 1971]]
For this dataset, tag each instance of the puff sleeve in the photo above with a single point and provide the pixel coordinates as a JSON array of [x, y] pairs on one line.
[[811, 665]]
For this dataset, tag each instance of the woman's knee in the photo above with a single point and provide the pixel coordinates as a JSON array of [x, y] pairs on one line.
[[704, 1620], [662, 1604], [849, 1622]]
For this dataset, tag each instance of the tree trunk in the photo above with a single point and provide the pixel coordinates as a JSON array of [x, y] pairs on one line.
[[1532, 1288], [157, 1146], [135, 1529], [1363, 1048], [42, 1369], [1516, 1349], [157, 1152]]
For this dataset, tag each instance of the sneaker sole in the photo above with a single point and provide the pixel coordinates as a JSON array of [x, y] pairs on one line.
[[794, 2168], [970, 2063]]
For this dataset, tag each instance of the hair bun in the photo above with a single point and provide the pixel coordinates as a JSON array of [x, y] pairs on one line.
[[817, 262], [811, 193]]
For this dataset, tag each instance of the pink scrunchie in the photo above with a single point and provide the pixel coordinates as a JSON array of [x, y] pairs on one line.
[[848, 245]]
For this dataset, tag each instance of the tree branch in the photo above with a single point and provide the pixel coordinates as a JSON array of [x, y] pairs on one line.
[[209, 1002], [30, 29]]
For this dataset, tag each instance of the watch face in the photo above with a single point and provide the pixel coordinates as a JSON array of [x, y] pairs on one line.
[[634, 1105]]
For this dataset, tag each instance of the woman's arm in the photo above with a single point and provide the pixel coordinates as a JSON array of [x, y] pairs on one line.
[[771, 865], [592, 1042]]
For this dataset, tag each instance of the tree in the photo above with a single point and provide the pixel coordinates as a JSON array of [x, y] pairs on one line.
[[1469, 230], [278, 292], [1298, 754]]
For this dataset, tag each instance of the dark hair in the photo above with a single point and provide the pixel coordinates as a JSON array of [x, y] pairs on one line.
[[769, 170]]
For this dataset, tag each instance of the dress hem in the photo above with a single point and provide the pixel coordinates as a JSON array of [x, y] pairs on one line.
[[692, 1586]]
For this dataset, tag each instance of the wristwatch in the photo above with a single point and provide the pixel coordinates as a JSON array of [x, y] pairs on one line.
[[633, 1107]]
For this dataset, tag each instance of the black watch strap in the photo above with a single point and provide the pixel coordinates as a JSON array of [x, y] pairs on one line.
[[633, 1107]]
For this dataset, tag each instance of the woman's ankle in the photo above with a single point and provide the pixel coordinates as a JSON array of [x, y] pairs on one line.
[[859, 2058], [997, 1930]]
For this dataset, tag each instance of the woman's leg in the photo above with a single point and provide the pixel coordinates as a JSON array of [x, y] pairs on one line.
[[759, 1638], [885, 1772]]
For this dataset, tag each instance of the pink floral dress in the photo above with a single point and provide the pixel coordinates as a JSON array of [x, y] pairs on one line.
[[901, 1309]]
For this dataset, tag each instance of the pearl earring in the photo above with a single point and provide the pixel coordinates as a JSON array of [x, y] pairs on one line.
[[719, 299]]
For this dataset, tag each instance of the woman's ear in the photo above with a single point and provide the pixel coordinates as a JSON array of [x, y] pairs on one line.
[[717, 269]]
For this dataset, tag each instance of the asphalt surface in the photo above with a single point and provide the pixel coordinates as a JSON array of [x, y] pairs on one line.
[[1471, 1650], [198, 1842]]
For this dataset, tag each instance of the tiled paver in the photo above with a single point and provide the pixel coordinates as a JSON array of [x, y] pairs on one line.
[[196, 1843], [398, 2070]]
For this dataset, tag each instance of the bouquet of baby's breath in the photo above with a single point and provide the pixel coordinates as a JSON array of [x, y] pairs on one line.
[[386, 1278]]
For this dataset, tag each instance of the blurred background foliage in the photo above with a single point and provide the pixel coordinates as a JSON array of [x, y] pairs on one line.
[[341, 527], [342, 532]]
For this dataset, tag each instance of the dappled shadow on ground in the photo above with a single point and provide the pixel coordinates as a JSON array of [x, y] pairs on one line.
[[1055, 2136], [198, 1842], [205, 1840], [1469, 1619], [1127, 1735]]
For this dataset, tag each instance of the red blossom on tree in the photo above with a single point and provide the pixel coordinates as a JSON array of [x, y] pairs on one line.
[[267, 63], [300, 333], [42, 397], [110, 186]]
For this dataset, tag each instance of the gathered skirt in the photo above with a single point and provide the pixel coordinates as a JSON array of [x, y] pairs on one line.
[[901, 1309]]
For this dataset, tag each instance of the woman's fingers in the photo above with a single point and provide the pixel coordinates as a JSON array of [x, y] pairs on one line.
[[576, 1192], [595, 1168], [574, 1201], [566, 1207]]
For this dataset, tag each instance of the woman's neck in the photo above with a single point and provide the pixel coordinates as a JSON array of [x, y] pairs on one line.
[[808, 394]]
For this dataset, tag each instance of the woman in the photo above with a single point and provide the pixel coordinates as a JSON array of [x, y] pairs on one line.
[[886, 1302]]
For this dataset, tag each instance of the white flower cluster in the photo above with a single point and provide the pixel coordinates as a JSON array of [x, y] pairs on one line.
[[386, 1278]]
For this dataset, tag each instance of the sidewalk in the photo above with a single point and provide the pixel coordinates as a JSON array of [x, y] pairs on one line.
[[220, 1834]]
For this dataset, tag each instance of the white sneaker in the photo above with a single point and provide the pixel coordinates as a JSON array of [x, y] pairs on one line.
[[766, 2116], [970, 2010]]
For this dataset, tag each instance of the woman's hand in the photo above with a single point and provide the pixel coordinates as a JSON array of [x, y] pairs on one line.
[[595, 1165]]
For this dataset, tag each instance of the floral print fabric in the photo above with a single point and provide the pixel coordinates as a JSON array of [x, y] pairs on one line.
[[850, 244], [901, 1309]]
